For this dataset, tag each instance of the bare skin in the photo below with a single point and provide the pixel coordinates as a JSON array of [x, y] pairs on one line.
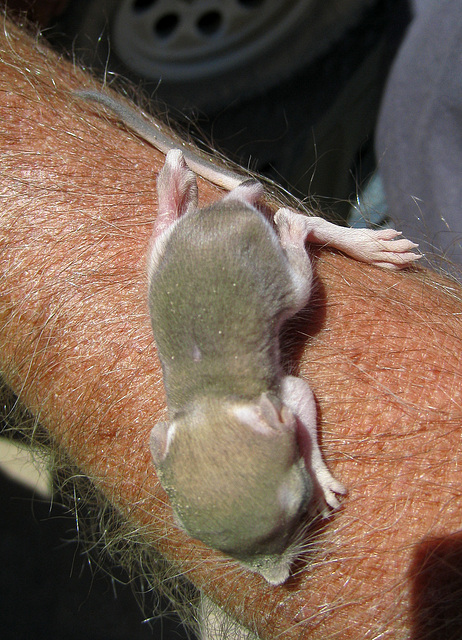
[[383, 360]]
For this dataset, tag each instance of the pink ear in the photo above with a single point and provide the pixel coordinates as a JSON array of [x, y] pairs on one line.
[[159, 441], [265, 417], [277, 418]]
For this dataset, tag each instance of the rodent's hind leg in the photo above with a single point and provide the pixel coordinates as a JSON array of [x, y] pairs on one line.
[[176, 191], [381, 247], [292, 236], [248, 192], [177, 195]]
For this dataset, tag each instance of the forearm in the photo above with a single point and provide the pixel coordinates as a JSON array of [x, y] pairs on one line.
[[78, 203]]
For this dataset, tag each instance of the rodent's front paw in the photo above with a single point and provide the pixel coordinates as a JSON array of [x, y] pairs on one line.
[[330, 487]]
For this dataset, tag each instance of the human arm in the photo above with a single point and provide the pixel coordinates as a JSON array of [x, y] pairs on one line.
[[78, 206]]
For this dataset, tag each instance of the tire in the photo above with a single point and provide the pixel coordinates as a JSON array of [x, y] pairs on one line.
[[296, 102], [204, 54]]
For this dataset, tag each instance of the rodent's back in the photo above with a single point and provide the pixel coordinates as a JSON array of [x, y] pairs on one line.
[[215, 301]]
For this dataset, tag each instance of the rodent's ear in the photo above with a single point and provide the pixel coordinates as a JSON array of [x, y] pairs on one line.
[[276, 414], [265, 416], [160, 440]]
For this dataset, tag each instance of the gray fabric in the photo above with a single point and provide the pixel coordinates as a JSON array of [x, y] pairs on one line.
[[419, 133]]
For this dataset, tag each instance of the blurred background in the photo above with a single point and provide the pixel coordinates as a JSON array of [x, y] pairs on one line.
[[288, 88]]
